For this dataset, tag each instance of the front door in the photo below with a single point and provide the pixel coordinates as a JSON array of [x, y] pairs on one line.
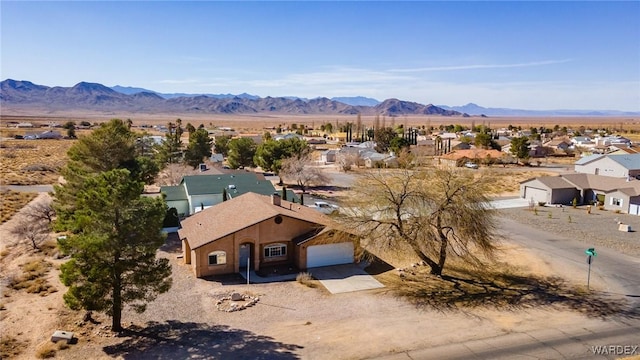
[[245, 255]]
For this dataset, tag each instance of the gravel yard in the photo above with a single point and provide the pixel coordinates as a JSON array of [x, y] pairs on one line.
[[599, 228]]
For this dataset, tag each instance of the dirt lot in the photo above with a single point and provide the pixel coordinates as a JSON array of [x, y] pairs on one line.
[[290, 321], [29, 162]]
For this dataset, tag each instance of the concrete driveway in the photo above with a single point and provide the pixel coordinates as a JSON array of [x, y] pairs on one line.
[[509, 203], [344, 278]]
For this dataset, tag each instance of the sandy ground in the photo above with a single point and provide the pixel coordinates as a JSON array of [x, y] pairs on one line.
[[290, 321]]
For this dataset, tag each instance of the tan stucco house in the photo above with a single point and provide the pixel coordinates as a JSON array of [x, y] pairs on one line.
[[257, 230], [616, 194]]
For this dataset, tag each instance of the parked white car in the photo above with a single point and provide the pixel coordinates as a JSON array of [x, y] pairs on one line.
[[324, 207], [471, 165]]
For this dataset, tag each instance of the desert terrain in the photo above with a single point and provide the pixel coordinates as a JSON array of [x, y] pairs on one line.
[[291, 320]]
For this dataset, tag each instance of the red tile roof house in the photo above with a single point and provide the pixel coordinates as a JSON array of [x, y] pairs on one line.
[[257, 230]]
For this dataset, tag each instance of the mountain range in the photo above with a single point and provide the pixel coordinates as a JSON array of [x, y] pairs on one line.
[[25, 95]]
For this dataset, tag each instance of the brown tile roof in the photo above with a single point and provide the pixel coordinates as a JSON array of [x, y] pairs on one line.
[[238, 213], [555, 182], [599, 182], [473, 154]]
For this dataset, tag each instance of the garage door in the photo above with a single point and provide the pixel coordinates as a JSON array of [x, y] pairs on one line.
[[538, 195], [634, 209], [330, 254]]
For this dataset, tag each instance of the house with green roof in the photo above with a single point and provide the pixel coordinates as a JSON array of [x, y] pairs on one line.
[[198, 192]]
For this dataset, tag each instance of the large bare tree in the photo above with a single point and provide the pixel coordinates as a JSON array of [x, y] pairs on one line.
[[435, 213], [35, 232], [300, 171]]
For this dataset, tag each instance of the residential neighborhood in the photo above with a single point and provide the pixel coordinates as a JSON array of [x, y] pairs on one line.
[[281, 220]]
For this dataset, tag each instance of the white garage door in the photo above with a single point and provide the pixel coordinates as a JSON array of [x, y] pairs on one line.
[[634, 209], [538, 195], [330, 254]]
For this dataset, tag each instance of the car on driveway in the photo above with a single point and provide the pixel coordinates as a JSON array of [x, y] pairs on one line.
[[324, 207], [471, 165]]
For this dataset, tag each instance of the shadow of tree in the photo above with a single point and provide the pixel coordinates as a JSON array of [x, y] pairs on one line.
[[172, 244], [182, 340], [503, 288]]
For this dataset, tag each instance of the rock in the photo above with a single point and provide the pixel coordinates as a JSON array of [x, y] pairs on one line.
[[624, 227], [61, 335], [236, 297]]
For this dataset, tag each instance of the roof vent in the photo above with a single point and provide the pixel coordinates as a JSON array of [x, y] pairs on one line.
[[231, 186]]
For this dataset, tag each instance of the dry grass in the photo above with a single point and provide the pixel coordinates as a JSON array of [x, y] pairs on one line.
[[509, 179], [12, 201], [31, 162], [306, 279], [10, 347], [33, 278], [46, 350]]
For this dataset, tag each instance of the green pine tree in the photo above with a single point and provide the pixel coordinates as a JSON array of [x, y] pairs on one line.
[[113, 256]]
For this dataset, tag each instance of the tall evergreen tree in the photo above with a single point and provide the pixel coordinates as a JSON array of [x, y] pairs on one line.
[[241, 152], [111, 146], [171, 149], [113, 256], [199, 147], [114, 231]]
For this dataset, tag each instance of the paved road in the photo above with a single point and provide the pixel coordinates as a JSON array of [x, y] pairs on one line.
[[28, 188], [615, 273]]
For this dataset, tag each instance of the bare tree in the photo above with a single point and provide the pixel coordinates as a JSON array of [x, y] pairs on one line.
[[434, 213], [40, 211], [172, 174], [33, 231], [345, 161], [301, 171]]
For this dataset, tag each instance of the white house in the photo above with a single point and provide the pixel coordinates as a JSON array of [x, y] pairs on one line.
[[612, 140], [620, 166]]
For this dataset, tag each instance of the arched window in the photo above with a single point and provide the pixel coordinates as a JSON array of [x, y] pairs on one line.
[[275, 250], [217, 258]]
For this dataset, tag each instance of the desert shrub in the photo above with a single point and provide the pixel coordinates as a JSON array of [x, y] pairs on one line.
[[32, 279], [542, 203], [10, 154], [12, 201], [305, 278], [10, 347], [39, 167], [46, 350]]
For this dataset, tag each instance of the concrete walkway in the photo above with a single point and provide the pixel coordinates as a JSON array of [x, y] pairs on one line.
[[344, 278], [257, 279]]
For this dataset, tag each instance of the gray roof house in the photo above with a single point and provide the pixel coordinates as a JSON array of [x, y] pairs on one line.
[[620, 166], [198, 192], [616, 194]]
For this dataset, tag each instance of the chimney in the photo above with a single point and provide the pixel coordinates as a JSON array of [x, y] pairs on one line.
[[275, 199]]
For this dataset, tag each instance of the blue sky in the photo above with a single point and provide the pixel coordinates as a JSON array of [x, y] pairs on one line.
[[529, 55]]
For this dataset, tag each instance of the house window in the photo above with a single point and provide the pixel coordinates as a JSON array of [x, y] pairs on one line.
[[217, 258], [616, 202], [275, 250]]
